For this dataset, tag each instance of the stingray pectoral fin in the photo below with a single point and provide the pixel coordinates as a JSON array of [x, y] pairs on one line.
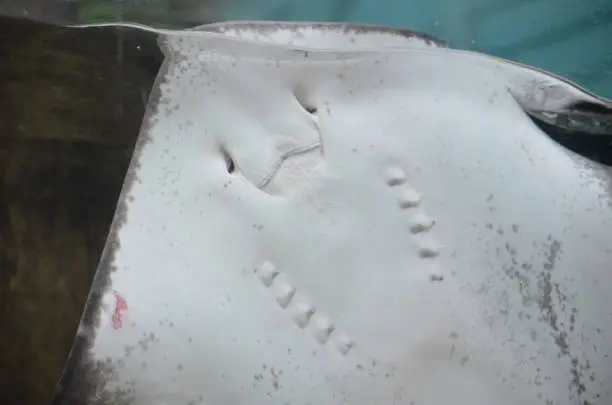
[[584, 127], [584, 120], [570, 114]]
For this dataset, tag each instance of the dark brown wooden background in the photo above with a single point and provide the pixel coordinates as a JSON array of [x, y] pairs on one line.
[[71, 104]]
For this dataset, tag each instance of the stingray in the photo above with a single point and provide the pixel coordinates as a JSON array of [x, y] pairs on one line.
[[347, 214]]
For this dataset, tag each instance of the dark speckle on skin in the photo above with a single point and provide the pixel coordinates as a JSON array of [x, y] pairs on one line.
[[549, 298], [548, 288], [546, 299]]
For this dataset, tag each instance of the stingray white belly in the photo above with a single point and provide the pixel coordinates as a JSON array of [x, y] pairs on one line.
[[361, 226]]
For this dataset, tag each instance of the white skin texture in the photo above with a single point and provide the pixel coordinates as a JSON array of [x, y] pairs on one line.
[[393, 229]]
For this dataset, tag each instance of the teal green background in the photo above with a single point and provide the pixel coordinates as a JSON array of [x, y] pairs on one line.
[[572, 38], [569, 37]]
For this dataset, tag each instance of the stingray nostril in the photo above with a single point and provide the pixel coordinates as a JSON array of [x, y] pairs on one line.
[[229, 162], [302, 99], [310, 110]]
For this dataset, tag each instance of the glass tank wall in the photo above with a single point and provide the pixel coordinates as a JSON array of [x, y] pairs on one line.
[[567, 37]]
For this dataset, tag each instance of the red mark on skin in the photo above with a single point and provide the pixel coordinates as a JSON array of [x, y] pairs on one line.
[[120, 306]]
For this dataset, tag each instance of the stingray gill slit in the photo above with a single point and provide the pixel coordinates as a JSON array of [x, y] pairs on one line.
[[229, 162]]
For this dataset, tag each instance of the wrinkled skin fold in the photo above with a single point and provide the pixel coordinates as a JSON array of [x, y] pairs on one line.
[[330, 214]]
